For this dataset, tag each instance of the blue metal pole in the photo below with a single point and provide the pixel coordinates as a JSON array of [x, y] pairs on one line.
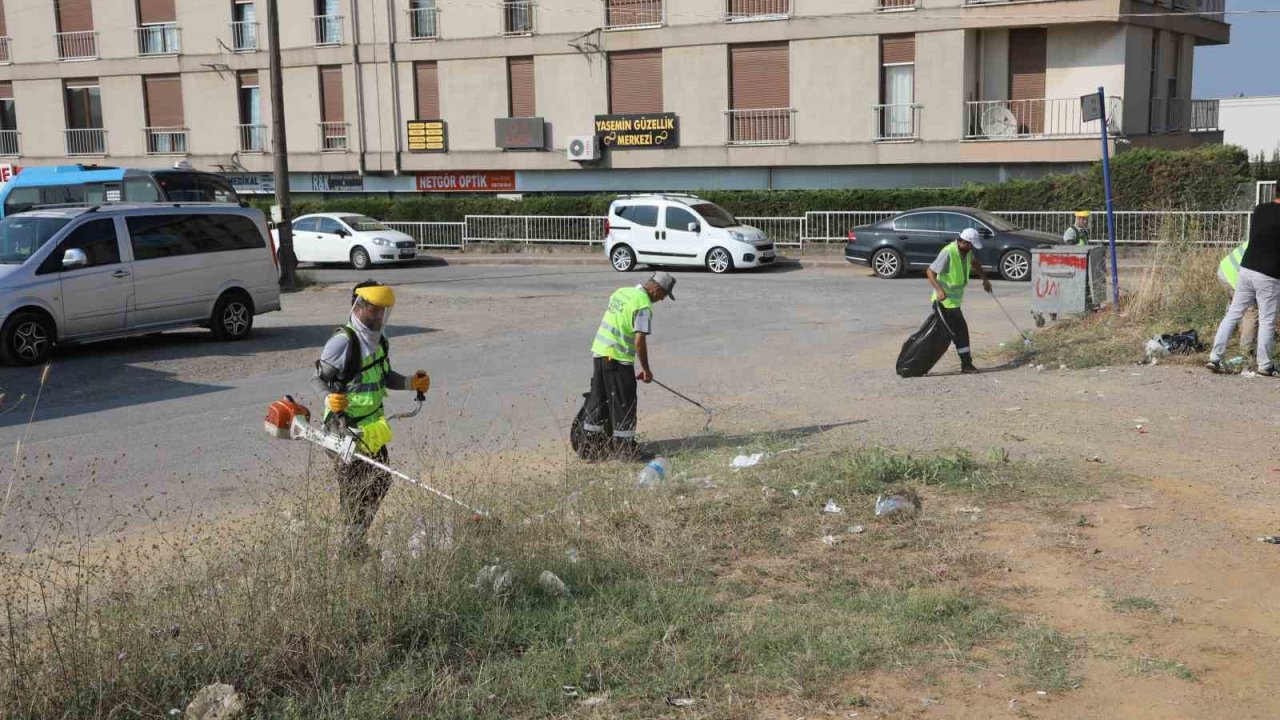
[[1111, 212]]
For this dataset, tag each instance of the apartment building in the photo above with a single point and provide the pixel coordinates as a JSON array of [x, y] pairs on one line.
[[489, 95]]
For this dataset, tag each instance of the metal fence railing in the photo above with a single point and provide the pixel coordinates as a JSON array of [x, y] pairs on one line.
[[9, 144], [159, 39], [834, 226], [1146, 227], [517, 17], [433, 235], [78, 45], [86, 141], [424, 23], [785, 231], [763, 126], [244, 36], [634, 13], [4, 50], [165, 140], [253, 138], [1266, 191], [566, 229], [1035, 118], [328, 29], [757, 10], [896, 122]]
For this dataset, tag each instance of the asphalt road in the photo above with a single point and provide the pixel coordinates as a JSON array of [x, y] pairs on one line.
[[170, 425]]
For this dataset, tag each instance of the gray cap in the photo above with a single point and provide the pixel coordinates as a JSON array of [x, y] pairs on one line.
[[666, 282]]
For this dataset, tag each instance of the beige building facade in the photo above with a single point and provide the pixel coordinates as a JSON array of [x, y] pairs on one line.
[[693, 93]]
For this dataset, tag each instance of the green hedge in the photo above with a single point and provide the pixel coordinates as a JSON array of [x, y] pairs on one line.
[[1205, 178]]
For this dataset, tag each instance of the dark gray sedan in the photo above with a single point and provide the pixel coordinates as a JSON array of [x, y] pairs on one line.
[[913, 239]]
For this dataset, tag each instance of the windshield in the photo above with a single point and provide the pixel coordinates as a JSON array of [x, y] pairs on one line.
[[361, 223], [996, 222], [715, 215], [22, 235]]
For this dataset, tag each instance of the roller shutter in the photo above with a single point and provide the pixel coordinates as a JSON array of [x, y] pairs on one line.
[[520, 79], [164, 101], [331, 99], [635, 81], [760, 79], [156, 11], [427, 90], [1027, 63], [74, 15]]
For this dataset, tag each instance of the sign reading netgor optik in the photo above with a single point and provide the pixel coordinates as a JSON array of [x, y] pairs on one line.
[[656, 131]]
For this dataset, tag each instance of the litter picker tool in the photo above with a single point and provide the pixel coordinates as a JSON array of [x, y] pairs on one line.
[[691, 401], [288, 420], [1026, 339]]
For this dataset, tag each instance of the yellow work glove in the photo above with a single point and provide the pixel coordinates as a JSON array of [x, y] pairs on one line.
[[420, 381], [336, 402]]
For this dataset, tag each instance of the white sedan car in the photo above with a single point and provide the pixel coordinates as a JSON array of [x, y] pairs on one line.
[[348, 238]]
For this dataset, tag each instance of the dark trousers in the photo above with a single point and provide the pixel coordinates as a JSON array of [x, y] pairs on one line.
[[959, 328], [613, 396], [361, 488]]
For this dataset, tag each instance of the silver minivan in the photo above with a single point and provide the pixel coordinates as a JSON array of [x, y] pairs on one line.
[[73, 275]]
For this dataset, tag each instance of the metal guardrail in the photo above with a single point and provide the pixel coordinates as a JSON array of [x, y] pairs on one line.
[[834, 226], [1146, 227], [433, 235], [334, 136], [555, 229], [1266, 191], [785, 231]]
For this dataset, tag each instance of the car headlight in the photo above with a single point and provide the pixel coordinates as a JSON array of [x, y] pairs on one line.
[[735, 235], [382, 241]]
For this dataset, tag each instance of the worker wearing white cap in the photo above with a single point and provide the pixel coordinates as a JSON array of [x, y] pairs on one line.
[[949, 276]]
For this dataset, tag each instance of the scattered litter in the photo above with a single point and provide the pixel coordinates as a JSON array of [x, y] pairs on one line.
[[904, 504], [1013, 409], [745, 461], [570, 691], [928, 701], [215, 702], [653, 473], [1141, 430], [969, 510], [1248, 374], [681, 702], [1039, 368], [1103, 370], [855, 530], [1136, 507], [831, 508], [1141, 420], [1095, 459], [1013, 704], [1041, 692], [830, 540], [1270, 539], [594, 701], [1183, 343], [571, 555], [1062, 366], [549, 582], [494, 579], [1155, 349], [788, 450], [795, 492]]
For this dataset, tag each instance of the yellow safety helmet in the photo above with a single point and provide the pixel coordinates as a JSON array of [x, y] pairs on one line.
[[1082, 213], [375, 294]]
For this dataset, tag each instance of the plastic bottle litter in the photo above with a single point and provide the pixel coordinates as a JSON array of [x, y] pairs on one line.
[[831, 508], [897, 506], [746, 461], [1155, 348], [552, 584], [653, 473]]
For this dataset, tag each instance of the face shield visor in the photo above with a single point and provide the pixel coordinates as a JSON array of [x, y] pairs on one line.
[[374, 317]]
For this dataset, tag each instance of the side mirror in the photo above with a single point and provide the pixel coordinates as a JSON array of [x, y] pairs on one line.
[[74, 258], [342, 232], [693, 227]]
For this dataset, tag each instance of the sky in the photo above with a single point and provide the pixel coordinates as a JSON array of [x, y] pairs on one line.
[[1249, 64]]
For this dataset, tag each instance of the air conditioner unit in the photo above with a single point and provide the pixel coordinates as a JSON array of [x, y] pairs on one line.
[[584, 148]]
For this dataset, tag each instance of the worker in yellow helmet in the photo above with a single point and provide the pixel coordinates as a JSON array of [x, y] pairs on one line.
[[354, 374], [1078, 233]]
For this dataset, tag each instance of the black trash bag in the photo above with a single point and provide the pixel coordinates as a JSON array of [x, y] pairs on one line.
[[590, 446], [1183, 343], [925, 347]]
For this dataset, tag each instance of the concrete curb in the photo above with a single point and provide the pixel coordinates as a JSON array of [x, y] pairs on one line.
[[809, 262]]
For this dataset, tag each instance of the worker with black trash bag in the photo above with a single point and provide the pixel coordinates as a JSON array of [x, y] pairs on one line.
[[946, 325]]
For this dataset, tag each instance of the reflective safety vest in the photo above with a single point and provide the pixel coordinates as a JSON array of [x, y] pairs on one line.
[[1078, 234], [956, 278], [1229, 268], [616, 337], [365, 380]]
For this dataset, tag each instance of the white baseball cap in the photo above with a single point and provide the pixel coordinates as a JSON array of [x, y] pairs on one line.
[[972, 237]]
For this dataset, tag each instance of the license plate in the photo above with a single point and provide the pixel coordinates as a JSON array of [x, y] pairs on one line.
[[407, 254], [767, 254]]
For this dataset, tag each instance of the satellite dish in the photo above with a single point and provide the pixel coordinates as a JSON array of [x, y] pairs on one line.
[[999, 122]]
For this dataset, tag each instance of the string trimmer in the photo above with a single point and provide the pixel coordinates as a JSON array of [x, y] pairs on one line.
[[289, 420]]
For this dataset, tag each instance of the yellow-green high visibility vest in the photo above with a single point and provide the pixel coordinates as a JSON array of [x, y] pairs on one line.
[[368, 386], [1229, 268], [616, 337], [956, 278]]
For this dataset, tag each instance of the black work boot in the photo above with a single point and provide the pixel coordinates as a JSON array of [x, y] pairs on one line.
[[966, 364]]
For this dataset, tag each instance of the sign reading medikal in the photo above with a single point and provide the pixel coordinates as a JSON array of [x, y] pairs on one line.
[[659, 131]]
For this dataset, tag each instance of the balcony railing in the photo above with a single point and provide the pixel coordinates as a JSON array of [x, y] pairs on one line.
[[86, 141], [80, 45], [1035, 119], [9, 146], [424, 24], [328, 29], [747, 10], [897, 123], [620, 14], [244, 36], [253, 138], [166, 140], [1212, 9], [891, 5], [1171, 115], [4, 50], [158, 39], [333, 137], [517, 17], [766, 126]]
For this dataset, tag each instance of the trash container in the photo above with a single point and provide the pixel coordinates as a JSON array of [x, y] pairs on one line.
[[1067, 280]]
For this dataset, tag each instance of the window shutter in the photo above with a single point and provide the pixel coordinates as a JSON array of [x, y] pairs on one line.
[[74, 15], [897, 49], [635, 81], [249, 78], [6, 91], [427, 88], [523, 96], [634, 12], [164, 101], [760, 76], [331, 100], [156, 11], [4, 28], [748, 8], [1027, 62]]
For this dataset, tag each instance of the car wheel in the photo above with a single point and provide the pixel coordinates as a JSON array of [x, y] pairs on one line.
[[27, 339], [622, 259], [360, 258], [719, 261], [232, 317], [887, 263], [1016, 265]]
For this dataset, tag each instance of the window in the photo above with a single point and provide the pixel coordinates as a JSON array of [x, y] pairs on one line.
[[21, 236], [955, 222], [426, 89], [517, 17], [646, 215], [362, 223], [625, 13], [635, 81], [160, 236], [760, 93], [716, 216], [162, 95], [83, 105], [328, 22], [74, 15], [8, 120], [141, 189], [328, 226], [422, 19], [157, 27], [244, 25], [98, 240], [1028, 60], [306, 224], [521, 84], [919, 221], [680, 219], [739, 9], [897, 86], [195, 187]]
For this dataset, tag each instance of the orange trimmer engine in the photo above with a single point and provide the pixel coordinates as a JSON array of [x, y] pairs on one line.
[[280, 415]]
